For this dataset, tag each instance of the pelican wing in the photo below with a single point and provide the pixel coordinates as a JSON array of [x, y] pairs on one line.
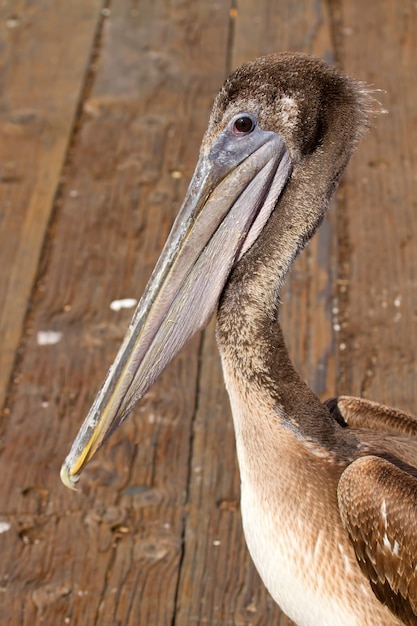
[[378, 507], [362, 413]]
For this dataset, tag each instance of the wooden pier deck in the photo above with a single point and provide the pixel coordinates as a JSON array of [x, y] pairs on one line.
[[103, 105]]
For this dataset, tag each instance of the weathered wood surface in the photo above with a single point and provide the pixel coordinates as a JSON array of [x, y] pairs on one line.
[[44, 60], [154, 535]]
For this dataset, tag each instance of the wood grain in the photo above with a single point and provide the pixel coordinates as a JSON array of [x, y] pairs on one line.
[[380, 209], [43, 68], [112, 553], [154, 535]]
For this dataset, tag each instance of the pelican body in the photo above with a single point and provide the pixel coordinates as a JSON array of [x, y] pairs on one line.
[[328, 490]]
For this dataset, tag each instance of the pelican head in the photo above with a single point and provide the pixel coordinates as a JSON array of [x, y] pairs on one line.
[[281, 126]]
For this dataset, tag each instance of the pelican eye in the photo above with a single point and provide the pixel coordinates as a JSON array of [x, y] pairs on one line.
[[244, 124]]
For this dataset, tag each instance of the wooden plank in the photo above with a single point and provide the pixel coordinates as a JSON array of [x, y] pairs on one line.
[[219, 584], [380, 209], [45, 56], [267, 27], [112, 553]]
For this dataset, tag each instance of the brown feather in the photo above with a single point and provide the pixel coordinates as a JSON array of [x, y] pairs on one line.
[[361, 413], [378, 506]]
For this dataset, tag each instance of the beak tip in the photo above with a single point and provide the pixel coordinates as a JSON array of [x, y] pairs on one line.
[[68, 479]]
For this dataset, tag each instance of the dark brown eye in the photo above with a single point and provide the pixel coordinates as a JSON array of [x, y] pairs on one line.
[[244, 124]]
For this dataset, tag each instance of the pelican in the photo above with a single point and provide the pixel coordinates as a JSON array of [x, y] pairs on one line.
[[328, 490]]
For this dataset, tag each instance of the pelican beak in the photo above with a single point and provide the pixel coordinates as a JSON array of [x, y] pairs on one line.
[[234, 189]]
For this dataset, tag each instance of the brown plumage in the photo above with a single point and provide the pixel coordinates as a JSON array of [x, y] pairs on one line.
[[329, 491], [377, 503]]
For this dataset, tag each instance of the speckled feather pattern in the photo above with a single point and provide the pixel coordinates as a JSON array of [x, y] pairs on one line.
[[377, 503]]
